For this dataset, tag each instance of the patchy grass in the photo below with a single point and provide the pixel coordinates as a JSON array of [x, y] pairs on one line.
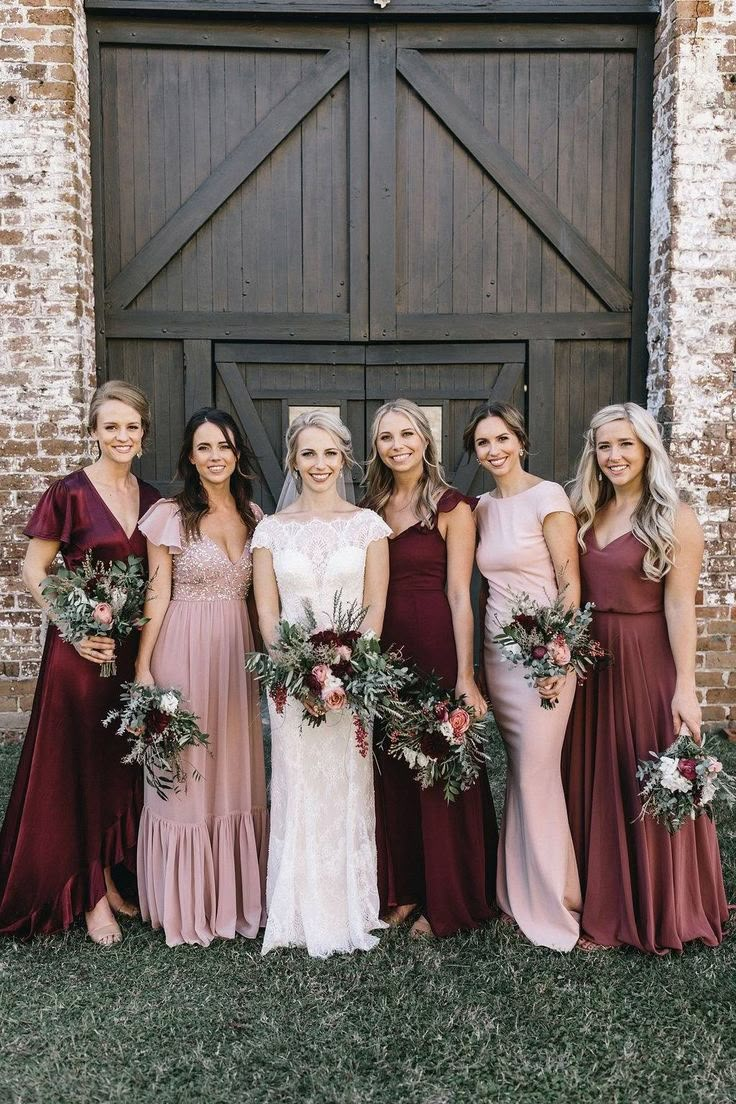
[[482, 1017]]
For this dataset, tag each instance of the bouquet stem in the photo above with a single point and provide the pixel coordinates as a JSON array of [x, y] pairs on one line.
[[108, 669]]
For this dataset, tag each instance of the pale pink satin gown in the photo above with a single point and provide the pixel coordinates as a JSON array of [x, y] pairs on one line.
[[202, 853], [537, 881]]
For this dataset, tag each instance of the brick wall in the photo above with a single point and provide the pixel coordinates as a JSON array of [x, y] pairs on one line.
[[692, 324], [46, 319]]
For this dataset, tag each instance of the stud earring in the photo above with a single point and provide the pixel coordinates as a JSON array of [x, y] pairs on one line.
[[139, 453], [521, 454]]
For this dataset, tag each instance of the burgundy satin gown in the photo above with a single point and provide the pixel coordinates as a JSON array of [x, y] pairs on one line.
[[74, 808], [641, 887], [440, 856]]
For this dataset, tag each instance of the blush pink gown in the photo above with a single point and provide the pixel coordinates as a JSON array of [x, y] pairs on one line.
[[202, 853], [537, 880]]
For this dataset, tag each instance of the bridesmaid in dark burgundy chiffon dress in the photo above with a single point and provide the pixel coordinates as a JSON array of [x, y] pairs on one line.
[[641, 887], [74, 808], [440, 857]]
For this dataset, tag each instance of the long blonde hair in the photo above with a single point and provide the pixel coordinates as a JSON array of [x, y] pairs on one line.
[[656, 512], [379, 480]]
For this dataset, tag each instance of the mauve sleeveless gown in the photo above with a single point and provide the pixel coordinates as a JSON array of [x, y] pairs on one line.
[[537, 880], [74, 808], [441, 856], [641, 887]]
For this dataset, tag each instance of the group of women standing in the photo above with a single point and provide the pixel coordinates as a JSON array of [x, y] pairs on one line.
[[355, 845]]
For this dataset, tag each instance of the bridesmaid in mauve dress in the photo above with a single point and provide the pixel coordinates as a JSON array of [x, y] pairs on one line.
[[439, 856], [527, 543], [641, 562], [202, 852], [74, 809]]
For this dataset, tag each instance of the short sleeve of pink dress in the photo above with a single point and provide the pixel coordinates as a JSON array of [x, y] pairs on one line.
[[162, 527]]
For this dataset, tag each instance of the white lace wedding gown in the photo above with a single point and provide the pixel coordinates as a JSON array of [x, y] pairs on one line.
[[321, 887]]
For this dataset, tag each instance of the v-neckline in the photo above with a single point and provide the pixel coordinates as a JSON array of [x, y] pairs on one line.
[[233, 563], [602, 548], [115, 518]]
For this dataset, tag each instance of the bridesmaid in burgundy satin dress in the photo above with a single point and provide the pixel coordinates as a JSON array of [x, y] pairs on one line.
[[74, 809], [433, 855], [641, 887]]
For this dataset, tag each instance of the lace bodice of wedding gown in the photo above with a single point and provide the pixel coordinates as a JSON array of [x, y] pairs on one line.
[[322, 882], [315, 559]]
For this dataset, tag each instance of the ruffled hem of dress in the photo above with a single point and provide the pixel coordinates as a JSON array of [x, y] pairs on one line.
[[85, 888], [203, 881]]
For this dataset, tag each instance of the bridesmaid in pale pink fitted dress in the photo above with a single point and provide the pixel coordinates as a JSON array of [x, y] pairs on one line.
[[202, 853], [527, 542]]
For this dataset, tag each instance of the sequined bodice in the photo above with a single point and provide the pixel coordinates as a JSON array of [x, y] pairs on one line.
[[203, 572]]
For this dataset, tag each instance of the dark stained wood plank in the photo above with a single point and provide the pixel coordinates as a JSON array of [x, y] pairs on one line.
[[290, 353], [541, 404], [382, 168], [506, 327], [399, 7], [639, 362], [251, 423], [482, 353], [226, 177], [468, 35], [218, 325], [517, 185], [357, 289], [251, 34], [197, 376]]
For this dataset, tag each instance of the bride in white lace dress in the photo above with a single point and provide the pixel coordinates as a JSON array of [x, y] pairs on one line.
[[321, 885]]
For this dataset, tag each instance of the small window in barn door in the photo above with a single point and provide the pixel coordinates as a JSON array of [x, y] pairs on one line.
[[295, 411], [433, 414]]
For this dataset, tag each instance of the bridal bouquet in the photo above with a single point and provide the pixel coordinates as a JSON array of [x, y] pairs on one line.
[[159, 730], [441, 739], [681, 783], [97, 599], [327, 670], [549, 640]]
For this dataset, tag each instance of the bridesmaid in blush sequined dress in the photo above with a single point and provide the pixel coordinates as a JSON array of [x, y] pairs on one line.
[[527, 543], [642, 888], [202, 852], [438, 856], [74, 809]]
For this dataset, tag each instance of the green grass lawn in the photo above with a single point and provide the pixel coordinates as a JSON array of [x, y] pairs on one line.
[[481, 1017]]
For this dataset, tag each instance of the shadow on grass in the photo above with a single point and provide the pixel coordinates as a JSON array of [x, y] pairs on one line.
[[480, 1017]]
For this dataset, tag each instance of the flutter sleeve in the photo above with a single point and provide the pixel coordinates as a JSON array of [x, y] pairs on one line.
[[551, 499], [161, 525], [53, 518], [374, 527], [452, 498], [262, 535]]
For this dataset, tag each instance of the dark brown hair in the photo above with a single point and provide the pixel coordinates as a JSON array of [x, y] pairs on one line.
[[506, 412], [192, 499]]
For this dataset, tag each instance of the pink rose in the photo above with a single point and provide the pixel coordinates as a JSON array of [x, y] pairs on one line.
[[460, 721], [102, 614], [715, 766], [335, 698], [321, 672], [344, 652], [558, 651], [687, 768]]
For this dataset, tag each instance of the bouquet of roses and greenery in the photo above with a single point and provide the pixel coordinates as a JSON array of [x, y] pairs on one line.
[[159, 730], [681, 783], [97, 599], [549, 640], [327, 670], [441, 739]]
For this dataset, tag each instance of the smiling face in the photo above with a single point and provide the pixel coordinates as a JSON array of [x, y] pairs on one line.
[[319, 459], [399, 444], [213, 454], [118, 431], [620, 454], [497, 448]]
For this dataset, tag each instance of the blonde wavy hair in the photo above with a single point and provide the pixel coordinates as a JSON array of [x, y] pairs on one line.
[[319, 419], [655, 515], [379, 480]]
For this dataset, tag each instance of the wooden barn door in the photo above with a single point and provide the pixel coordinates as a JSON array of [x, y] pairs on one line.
[[330, 214]]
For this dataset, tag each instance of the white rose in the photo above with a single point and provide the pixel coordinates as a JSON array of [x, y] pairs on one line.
[[447, 730], [332, 683], [410, 756], [169, 703], [708, 793], [670, 776], [422, 759]]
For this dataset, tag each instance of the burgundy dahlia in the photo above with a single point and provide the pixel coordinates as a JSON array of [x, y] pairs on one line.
[[434, 745], [539, 651], [525, 621]]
